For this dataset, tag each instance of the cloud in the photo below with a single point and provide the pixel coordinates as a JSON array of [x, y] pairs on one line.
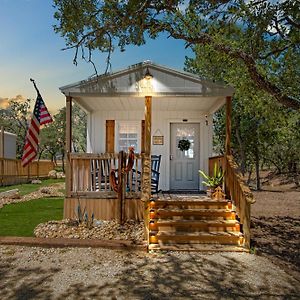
[[4, 102]]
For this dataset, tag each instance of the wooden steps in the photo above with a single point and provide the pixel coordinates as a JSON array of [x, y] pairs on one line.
[[194, 225], [197, 248]]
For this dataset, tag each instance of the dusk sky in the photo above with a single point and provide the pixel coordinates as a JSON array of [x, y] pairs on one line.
[[29, 48]]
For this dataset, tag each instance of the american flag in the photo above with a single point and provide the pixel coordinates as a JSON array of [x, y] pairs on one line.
[[40, 116]]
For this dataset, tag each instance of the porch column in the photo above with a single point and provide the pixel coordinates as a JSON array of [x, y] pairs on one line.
[[146, 184], [146, 193], [228, 125], [68, 144]]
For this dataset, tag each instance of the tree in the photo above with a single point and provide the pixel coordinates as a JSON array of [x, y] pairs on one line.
[[261, 35], [263, 133], [53, 135], [14, 119]]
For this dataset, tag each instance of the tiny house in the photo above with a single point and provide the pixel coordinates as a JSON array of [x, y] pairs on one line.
[[151, 108], [160, 113]]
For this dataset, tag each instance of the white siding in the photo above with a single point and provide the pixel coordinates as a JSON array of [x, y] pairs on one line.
[[161, 121], [9, 145]]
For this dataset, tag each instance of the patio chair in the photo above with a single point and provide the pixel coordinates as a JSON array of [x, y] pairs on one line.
[[155, 165]]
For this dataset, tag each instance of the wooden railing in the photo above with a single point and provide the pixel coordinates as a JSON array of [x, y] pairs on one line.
[[219, 160], [240, 194], [236, 190], [90, 175], [12, 172]]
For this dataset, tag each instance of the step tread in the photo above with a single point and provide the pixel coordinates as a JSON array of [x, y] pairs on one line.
[[197, 210], [203, 234], [184, 222], [192, 201], [198, 247]]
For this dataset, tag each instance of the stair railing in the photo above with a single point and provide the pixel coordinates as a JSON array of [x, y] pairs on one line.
[[240, 194]]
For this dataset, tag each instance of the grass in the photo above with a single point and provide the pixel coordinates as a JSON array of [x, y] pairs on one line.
[[28, 188], [20, 219]]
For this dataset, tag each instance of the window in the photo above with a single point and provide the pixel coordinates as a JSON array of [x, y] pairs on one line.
[[128, 135]]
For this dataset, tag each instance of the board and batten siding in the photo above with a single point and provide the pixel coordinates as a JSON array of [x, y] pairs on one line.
[[161, 121]]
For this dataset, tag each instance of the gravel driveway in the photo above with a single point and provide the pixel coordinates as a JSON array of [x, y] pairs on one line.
[[74, 273]]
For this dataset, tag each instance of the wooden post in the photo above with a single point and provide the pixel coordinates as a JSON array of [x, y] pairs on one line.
[[121, 186], [228, 125], [68, 145], [2, 154], [146, 183]]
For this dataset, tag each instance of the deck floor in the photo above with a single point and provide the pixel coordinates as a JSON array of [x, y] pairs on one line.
[[181, 196]]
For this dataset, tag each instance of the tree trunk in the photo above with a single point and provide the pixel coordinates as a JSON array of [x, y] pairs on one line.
[[257, 169], [63, 161], [241, 151], [249, 176]]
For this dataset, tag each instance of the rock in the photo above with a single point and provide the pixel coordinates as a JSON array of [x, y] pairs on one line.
[[60, 175], [13, 194], [52, 174], [46, 190], [36, 181]]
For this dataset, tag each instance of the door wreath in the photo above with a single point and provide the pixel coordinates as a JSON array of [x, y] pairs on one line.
[[184, 145]]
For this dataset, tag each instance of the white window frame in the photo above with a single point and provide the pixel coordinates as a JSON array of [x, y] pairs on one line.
[[138, 125]]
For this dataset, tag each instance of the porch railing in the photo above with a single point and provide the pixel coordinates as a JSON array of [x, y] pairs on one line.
[[90, 175], [239, 193]]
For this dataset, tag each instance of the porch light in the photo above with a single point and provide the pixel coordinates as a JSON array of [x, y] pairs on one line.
[[148, 75]]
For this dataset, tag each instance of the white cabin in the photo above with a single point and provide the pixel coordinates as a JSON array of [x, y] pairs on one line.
[[182, 108]]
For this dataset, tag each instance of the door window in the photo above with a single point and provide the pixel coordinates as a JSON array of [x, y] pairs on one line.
[[187, 133]]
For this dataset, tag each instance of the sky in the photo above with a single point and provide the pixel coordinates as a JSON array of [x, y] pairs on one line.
[[29, 48]]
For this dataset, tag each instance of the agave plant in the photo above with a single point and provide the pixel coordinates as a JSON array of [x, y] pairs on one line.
[[215, 180]]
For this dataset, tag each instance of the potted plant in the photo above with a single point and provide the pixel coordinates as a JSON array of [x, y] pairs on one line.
[[212, 182]]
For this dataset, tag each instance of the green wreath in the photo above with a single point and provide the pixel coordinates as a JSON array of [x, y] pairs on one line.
[[184, 145]]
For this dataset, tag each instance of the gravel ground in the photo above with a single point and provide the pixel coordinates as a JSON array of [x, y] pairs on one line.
[[73, 273], [276, 225]]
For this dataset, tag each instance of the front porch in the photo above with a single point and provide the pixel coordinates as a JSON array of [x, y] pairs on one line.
[[88, 175]]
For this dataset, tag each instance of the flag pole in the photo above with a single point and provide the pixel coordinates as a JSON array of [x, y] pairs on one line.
[[37, 90]]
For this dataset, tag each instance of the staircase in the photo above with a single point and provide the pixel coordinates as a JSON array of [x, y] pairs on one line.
[[195, 223]]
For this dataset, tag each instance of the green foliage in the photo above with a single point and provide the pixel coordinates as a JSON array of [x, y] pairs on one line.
[[82, 216], [53, 135], [14, 119], [262, 133], [184, 145], [260, 37], [20, 219], [215, 180]]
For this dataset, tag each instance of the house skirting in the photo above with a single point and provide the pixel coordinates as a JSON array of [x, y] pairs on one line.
[[104, 209]]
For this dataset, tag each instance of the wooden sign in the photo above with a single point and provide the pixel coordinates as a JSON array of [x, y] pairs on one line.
[[158, 140]]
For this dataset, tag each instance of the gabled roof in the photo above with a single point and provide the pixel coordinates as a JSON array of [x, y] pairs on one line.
[[166, 82]]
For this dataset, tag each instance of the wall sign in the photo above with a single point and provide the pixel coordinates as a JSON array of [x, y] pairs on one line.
[[158, 140]]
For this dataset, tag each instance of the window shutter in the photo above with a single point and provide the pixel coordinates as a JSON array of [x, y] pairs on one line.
[[110, 136], [143, 137]]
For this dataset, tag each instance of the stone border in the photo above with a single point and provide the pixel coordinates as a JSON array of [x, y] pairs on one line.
[[64, 242]]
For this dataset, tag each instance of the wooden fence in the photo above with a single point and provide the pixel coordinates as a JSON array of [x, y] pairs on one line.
[[12, 172]]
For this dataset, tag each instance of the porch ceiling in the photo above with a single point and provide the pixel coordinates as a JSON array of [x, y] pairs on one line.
[[205, 104]]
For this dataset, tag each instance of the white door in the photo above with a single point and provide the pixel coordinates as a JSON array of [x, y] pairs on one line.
[[184, 165]]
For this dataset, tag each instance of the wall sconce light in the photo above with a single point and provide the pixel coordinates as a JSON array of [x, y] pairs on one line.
[[148, 75], [206, 120]]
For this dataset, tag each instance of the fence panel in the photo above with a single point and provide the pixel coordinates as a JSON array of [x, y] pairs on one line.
[[12, 172]]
